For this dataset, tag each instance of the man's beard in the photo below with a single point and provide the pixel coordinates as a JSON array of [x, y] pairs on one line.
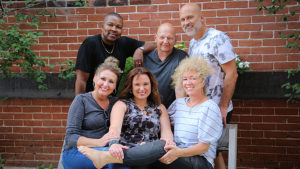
[[195, 30]]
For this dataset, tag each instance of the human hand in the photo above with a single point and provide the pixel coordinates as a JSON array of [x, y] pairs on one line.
[[104, 140], [224, 114], [116, 150], [138, 58], [169, 142], [171, 155]]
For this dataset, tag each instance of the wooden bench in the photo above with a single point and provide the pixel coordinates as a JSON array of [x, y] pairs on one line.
[[230, 134]]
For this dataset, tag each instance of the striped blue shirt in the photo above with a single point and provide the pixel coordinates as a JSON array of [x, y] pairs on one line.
[[202, 123]]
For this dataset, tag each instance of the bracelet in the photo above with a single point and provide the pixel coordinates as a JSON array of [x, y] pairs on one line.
[[113, 142]]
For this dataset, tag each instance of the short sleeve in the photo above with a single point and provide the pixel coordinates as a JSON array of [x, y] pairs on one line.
[[223, 48], [210, 125], [74, 123], [84, 56]]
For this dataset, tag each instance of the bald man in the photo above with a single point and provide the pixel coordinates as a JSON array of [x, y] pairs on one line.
[[163, 60], [215, 46]]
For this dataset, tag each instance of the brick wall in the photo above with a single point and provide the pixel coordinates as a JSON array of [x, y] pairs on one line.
[[32, 132], [255, 36]]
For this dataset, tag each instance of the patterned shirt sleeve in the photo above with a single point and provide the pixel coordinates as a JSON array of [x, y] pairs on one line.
[[210, 125], [223, 49]]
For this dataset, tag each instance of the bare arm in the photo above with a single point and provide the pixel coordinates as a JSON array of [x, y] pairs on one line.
[[91, 142], [80, 83], [166, 131], [229, 84], [138, 54], [116, 118]]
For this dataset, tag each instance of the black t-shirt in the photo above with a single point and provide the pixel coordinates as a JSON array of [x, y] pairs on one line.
[[92, 53], [163, 70]]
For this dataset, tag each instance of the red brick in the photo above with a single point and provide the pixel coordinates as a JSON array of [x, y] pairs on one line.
[[239, 20], [275, 58], [262, 141], [147, 38], [263, 19], [236, 4], [77, 18], [32, 123], [242, 51], [85, 11], [54, 137], [219, 20], [67, 39], [249, 12], [68, 54], [293, 57], [250, 119], [48, 40], [256, 134], [216, 5], [6, 116], [160, 16], [52, 150], [238, 35], [227, 12], [250, 43], [13, 122], [287, 65], [41, 130], [274, 26], [58, 47], [31, 109], [13, 136], [159, 1], [179, 1], [131, 24], [274, 42], [87, 25], [286, 142], [58, 130], [42, 116], [261, 35], [6, 129], [139, 16], [243, 141], [105, 10], [23, 116], [139, 31], [152, 8], [294, 150], [67, 25], [250, 27], [74, 47], [97, 18], [293, 119], [173, 7], [48, 26], [262, 66], [241, 111], [40, 47], [21, 130], [293, 25], [52, 123], [263, 50], [57, 19], [263, 111]]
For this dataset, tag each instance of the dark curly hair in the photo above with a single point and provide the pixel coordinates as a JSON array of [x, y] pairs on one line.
[[153, 98]]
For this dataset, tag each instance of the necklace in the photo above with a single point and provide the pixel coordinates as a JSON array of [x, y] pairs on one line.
[[191, 105], [112, 50]]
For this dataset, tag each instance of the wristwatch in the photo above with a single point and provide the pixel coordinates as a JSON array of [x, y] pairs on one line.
[[142, 48]]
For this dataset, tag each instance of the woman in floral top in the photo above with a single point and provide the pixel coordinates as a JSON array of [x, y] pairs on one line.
[[137, 117]]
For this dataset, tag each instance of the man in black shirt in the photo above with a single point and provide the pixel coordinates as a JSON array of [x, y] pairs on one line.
[[95, 49]]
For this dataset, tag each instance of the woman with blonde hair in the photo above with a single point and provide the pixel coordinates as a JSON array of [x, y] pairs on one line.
[[197, 119]]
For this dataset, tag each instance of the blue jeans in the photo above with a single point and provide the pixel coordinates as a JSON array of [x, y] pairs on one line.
[[73, 159]]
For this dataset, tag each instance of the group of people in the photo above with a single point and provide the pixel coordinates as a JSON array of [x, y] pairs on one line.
[[172, 109]]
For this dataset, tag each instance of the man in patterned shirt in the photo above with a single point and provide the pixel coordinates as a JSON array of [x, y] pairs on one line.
[[215, 46]]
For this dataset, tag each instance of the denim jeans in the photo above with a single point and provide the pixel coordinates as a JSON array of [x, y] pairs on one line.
[[73, 159]]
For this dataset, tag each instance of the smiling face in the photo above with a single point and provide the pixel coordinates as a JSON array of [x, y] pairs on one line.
[[191, 83], [105, 82], [141, 87], [112, 29], [165, 38], [191, 19]]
